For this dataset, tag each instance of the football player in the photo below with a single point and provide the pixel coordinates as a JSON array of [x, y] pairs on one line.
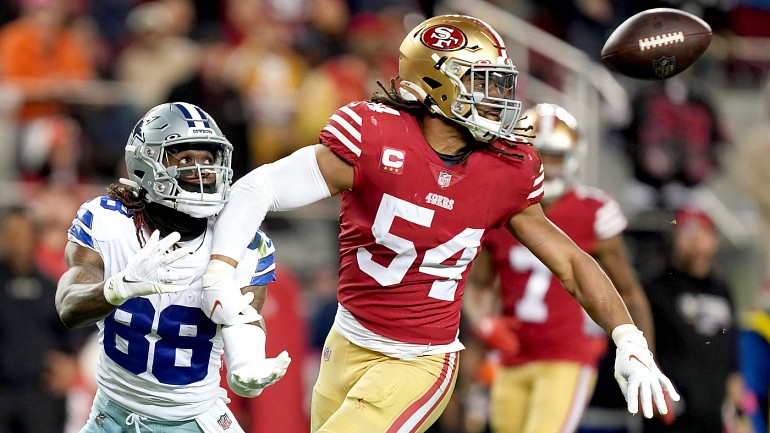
[[556, 345], [136, 257], [424, 171]]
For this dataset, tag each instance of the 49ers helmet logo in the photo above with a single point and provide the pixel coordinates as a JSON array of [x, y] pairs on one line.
[[444, 38]]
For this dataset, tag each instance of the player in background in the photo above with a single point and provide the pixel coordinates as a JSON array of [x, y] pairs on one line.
[[136, 258], [545, 339], [425, 170]]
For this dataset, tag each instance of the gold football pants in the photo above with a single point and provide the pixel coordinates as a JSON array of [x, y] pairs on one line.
[[359, 390], [541, 397]]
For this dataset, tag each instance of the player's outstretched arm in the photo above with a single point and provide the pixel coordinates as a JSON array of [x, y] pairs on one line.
[[612, 255], [635, 370], [306, 176]]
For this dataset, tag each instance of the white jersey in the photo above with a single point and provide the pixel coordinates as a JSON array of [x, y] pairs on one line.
[[161, 354]]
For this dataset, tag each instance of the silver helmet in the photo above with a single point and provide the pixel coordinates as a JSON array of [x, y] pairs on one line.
[[199, 188]]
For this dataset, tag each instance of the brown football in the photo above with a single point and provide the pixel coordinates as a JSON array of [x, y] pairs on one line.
[[656, 44]]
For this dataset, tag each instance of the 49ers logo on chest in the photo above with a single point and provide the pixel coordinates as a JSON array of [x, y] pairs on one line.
[[444, 38], [392, 160]]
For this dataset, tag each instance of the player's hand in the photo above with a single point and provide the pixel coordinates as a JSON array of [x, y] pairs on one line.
[[498, 333], [638, 375], [148, 271], [251, 379], [222, 300]]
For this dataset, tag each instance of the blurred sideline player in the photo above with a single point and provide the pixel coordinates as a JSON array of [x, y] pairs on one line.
[[545, 340], [136, 258], [424, 170]]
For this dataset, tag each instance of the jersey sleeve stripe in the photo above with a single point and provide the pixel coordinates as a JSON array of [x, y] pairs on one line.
[[535, 193], [264, 278], [354, 132], [79, 235], [85, 216], [610, 220], [353, 115], [343, 139], [265, 263], [539, 179]]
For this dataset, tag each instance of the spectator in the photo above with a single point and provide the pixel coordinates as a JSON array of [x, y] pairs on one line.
[[155, 59], [673, 141], [209, 89], [322, 37], [268, 72], [44, 57], [692, 303], [36, 346], [350, 77]]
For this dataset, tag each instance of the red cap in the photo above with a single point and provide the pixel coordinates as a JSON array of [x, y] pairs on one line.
[[689, 214]]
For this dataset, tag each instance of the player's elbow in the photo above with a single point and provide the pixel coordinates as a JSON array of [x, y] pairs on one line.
[[68, 318]]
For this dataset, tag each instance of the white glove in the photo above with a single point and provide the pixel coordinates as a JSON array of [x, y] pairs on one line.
[[248, 370], [148, 272], [251, 379], [637, 374], [222, 300]]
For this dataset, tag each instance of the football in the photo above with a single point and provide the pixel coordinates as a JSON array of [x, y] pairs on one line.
[[656, 44]]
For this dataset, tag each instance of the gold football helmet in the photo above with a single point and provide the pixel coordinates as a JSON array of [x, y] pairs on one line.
[[440, 52], [555, 132]]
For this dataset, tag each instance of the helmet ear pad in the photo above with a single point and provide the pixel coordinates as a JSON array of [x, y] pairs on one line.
[[170, 128]]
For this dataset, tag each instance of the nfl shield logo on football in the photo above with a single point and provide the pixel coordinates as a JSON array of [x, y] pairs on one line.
[[224, 422], [664, 66], [443, 179]]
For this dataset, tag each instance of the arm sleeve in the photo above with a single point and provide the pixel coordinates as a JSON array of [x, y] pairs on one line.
[[289, 183]]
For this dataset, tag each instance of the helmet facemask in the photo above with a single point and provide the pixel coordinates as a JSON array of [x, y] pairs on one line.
[[196, 185], [487, 104]]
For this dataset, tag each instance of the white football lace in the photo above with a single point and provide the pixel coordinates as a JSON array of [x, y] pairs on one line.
[[660, 40]]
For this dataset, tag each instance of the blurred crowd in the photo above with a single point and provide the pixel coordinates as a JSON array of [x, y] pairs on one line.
[[75, 74]]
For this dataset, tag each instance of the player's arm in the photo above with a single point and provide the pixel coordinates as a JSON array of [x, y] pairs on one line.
[[306, 176], [83, 296], [578, 272], [635, 369], [249, 371], [80, 297], [611, 253], [260, 294]]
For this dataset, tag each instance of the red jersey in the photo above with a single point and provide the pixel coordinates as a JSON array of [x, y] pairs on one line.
[[554, 325], [411, 225]]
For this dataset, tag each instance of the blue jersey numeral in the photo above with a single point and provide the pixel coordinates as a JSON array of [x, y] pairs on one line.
[[181, 355]]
